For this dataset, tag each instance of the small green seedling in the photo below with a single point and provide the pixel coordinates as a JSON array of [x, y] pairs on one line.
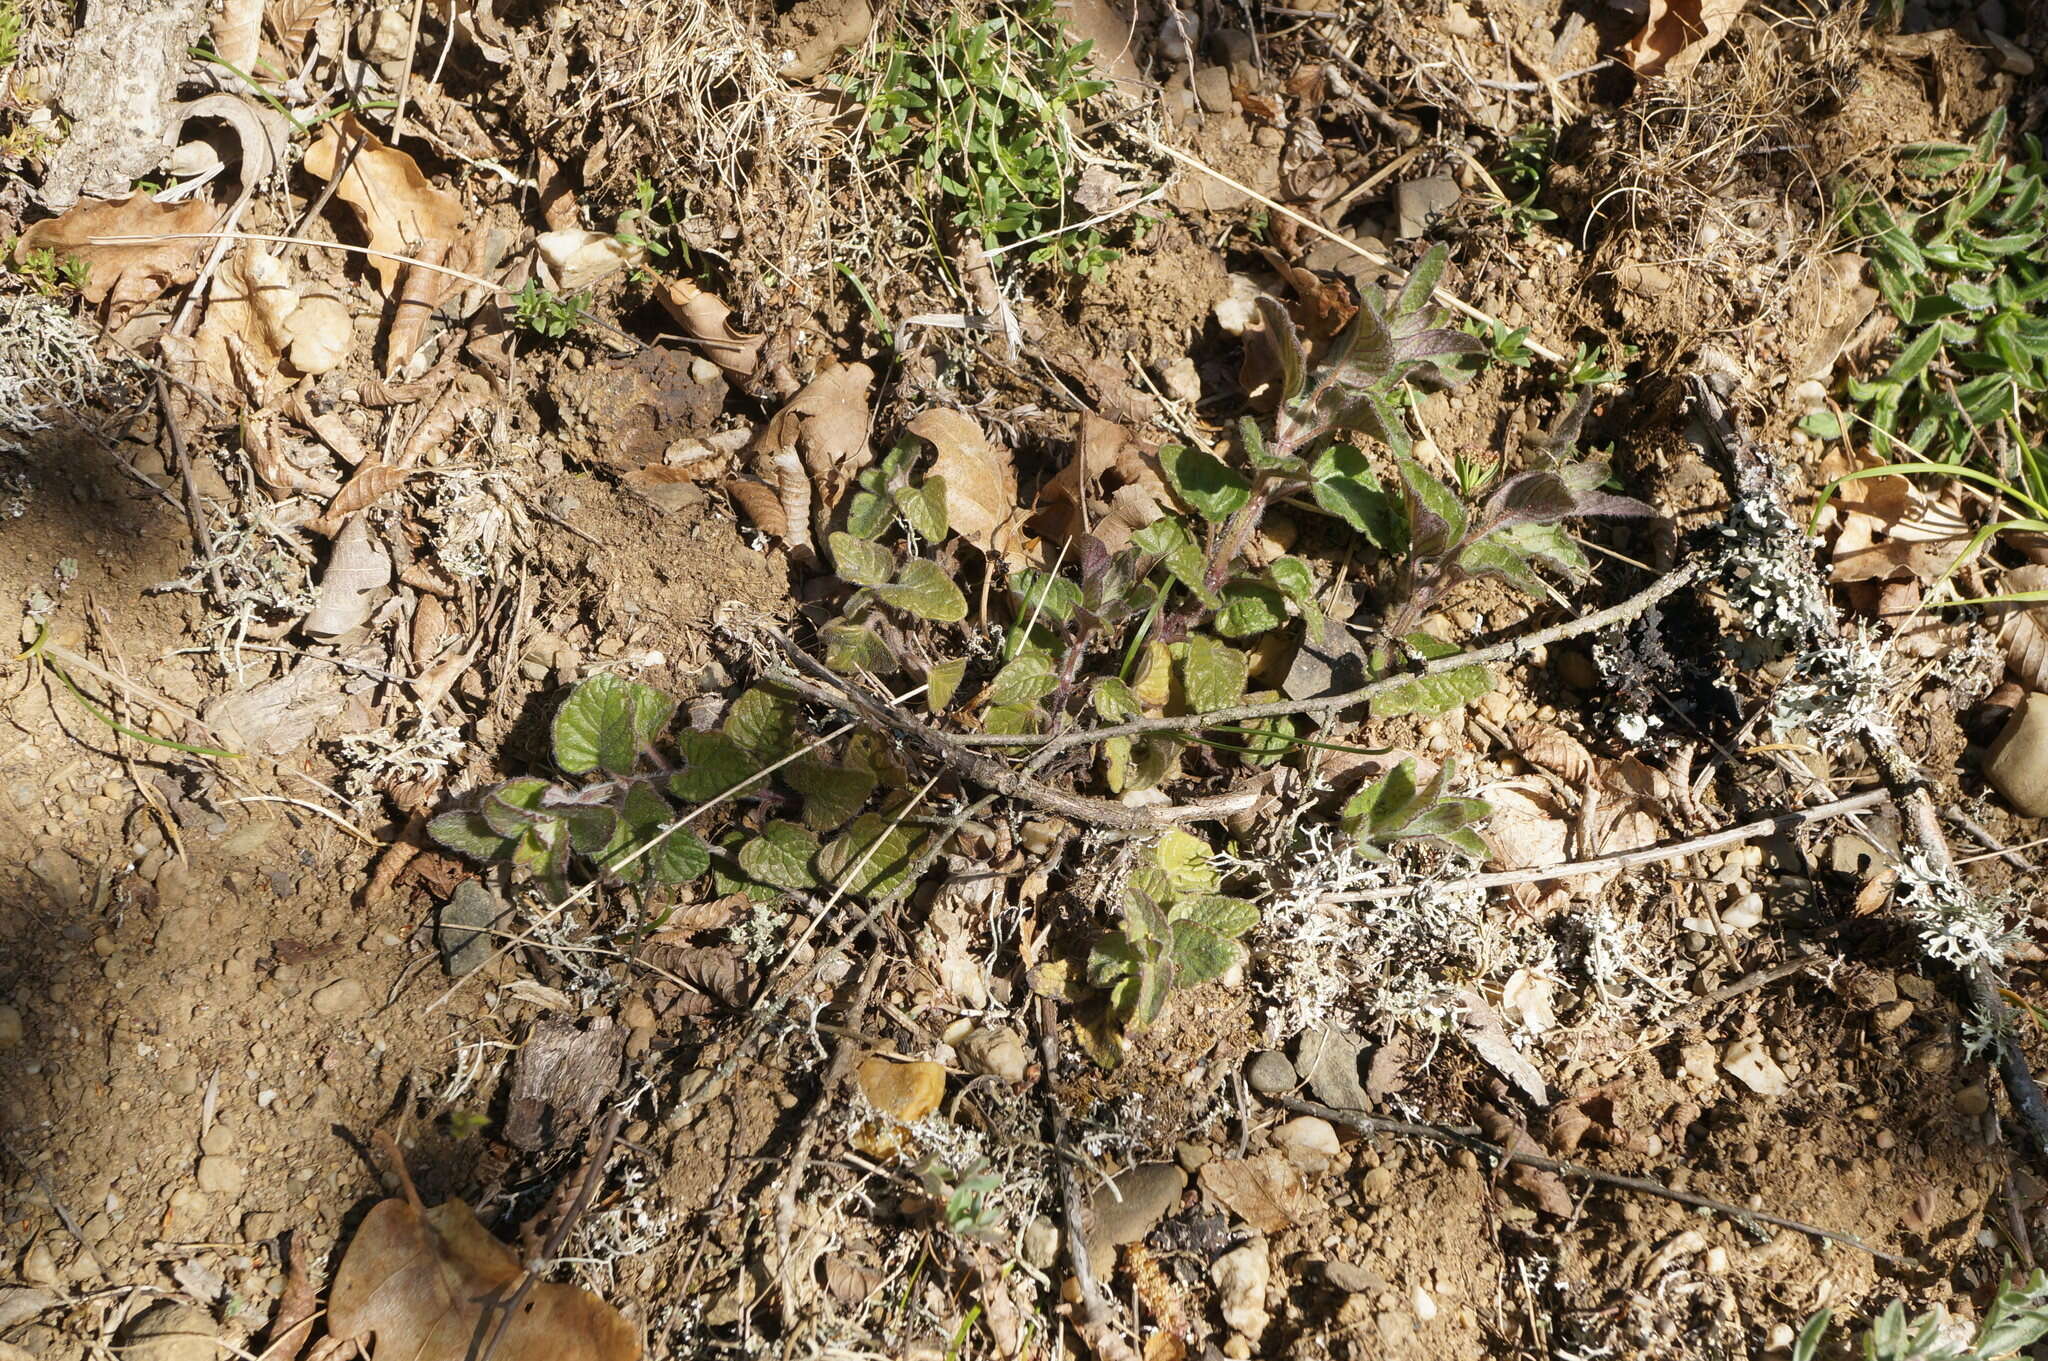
[[1177, 932], [547, 314], [1521, 172], [964, 1197], [1393, 809], [2016, 1320]]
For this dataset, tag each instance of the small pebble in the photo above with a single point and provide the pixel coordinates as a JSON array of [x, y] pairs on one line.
[[220, 1176], [342, 999], [1973, 1100], [1892, 1015], [1191, 1155], [1309, 1141], [1270, 1074]]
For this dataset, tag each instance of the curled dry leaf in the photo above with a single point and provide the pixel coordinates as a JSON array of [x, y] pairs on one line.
[[123, 277], [246, 331], [280, 715], [1482, 1028], [357, 569], [579, 259], [981, 482], [811, 450], [397, 206], [762, 505], [363, 487], [417, 1281], [1267, 1192], [1678, 33], [1528, 829], [707, 324], [293, 22], [1547, 1187], [1111, 487], [1551, 748], [237, 32], [2023, 627]]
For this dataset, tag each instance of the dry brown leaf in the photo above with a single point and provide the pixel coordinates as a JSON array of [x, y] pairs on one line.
[[363, 487], [237, 30], [417, 1281], [825, 425], [124, 277], [1678, 33], [760, 504], [1111, 487], [357, 570], [668, 488], [707, 324], [333, 431], [981, 482], [580, 259], [1266, 1192], [2023, 628], [292, 21], [296, 1308], [1551, 748], [422, 292], [1482, 1029], [398, 207], [280, 715], [241, 342], [1547, 1187]]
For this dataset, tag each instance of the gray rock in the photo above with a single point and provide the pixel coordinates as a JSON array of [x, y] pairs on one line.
[[60, 875], [463, 932], [171, 1332], [1212, 89], [1040, 1246], [20, 1303], [1270, 1074], [1328, 1060], [1233, 48], [1352, 1280], [995, 1050], [1128, 1208], [2017, 766], [1418, 202]]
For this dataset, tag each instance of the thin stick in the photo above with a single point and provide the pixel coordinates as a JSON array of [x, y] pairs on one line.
[[1096, 1326], [1444, 296], [593, 1172], [1365, 1123], [1628, 609], [194, 516], [1644, 855], [150, 237]]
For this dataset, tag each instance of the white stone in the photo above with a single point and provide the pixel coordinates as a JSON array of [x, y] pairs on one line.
[[1241, 1277]]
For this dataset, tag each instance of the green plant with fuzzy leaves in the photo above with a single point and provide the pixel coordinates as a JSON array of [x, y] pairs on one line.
[[814, 820], [2016, 1320], [1177, 932], [1394, 809]]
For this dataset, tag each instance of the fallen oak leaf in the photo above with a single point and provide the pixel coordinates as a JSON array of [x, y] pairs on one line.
[[420, 1282], [398, 207], [363, 488], [981, 482], [1678, 33], [357, 569], [123, 276]]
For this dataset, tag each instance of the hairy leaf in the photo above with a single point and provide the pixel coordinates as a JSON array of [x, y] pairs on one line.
[[861, 561], [1114, 701], [1026, 679], [465, 831], [1041, 593], [852, 647], [1183, 861], [515, 805], [1212, 674], [1283, 343], [1200, 955], [870, 859], [713, 763], [1168, 540], [1436, 518], [922, 588], [1344, 485], [832, 794], [1204, 483], [1225, 916], [1420, 285], [1491, 557], [679, 857], [608, 723], [942, 682], [1250, 609], [924, 508], [763, 722], [1434, 694], [868, 515], [782, 855]]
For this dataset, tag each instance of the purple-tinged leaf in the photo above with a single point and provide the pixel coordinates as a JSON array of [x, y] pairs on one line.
[[1283, 344]]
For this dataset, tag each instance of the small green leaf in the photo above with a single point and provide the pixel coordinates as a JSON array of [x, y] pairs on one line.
[[1008, 720], [1114, 701], [1491, 557], [1434, 694], [1344, 485], [466, 832], [679, 857], [1292, 578], [1436, 518], [922, 588], [832, 794], [1204, 483], [1040, 593], [867, 515], [1025, 680], [781, 855], [712, 763], [861, 561], [924, 508], [1200, 955], [1184, 860], [852, 648], [1250, 609], [762, 721], [1821, 424], [1212, 674], [1382, 806], [942, 682], [870, 859], [1230, 917], [1169, 540], [1112, 959], [608, 723], [1930, 160], [514, 806]]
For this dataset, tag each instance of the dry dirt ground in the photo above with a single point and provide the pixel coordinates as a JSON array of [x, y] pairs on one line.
[[224, 936]]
